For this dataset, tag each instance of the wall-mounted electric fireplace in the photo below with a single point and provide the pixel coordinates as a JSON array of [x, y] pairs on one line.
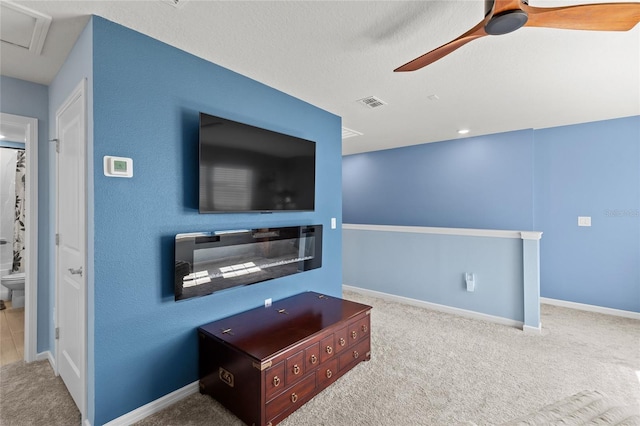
[[214, 261]]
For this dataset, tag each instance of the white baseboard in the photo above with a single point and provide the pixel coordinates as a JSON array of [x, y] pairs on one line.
[[154, 406], [591, 308], [435, 306], [47, 355], [532, 330]]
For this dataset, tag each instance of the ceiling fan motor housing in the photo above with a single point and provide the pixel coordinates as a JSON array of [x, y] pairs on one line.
[[488, 6], [506, 22]]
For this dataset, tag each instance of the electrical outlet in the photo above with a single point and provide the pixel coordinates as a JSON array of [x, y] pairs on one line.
[[470, 279], [584, 220], [267, 302]]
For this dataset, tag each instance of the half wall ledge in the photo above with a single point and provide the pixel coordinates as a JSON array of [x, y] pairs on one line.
[[428, 264]]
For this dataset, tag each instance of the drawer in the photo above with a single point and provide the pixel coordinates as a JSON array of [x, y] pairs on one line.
[[355, 354], [341, 340], [358, 329], [327, 348], [274, 379], [294, 368], [292, 397], [327, 371], [312, 356]]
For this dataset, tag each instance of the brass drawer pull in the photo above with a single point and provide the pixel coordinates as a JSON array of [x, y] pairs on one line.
[[329, 350], [354, 334], [314, 359], [276, 381], [296, 369], [329, 373], [355, 354], [294, 397], [342, 341], [364, 328]]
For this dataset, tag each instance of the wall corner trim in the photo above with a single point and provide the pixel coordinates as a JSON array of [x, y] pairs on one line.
[[155, 406]]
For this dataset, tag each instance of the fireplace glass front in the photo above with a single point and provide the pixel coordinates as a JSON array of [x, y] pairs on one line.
[[209, 262]]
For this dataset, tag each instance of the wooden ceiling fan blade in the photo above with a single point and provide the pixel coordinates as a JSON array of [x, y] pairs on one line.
[[595, 17], [442, 51]]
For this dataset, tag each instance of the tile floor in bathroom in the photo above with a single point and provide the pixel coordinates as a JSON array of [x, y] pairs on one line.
[[11, 334]]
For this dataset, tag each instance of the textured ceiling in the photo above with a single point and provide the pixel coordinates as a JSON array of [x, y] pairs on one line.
[[332, 54]]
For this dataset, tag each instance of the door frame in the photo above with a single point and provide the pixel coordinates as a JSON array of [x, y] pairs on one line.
[[29, 127], [79, 91]]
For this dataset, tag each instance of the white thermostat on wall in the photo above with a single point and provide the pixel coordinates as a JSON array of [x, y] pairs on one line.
[[118, 166]]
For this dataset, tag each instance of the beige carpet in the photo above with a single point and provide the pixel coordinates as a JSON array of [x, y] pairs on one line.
[[584, 408], [432, 368], [31, 395]]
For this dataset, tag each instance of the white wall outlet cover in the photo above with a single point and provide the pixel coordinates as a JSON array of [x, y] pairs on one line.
[[333, 223], [118, 166], [470, 279], [584, 220]]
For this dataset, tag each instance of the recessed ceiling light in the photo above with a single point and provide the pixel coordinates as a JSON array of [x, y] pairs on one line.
[[463, 131], [1, 136]]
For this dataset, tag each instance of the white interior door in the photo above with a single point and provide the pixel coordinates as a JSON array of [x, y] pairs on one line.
[[71, 246]]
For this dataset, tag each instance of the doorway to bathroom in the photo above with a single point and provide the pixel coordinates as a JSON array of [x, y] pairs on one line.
[[18, 237], [12, 230]]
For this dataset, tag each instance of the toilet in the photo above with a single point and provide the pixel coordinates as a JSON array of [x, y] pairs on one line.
[[15, 283]]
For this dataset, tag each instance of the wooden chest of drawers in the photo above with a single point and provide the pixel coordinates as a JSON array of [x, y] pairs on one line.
[[265, 363]]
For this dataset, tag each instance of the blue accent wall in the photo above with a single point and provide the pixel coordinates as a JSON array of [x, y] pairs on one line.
[[147, 96], [479, 182], [590, 169], [527, 180], [28, 99]]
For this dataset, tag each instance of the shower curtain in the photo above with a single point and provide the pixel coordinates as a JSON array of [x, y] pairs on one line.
[[19, 221]]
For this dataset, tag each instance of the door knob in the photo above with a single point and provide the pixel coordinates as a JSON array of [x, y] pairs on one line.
[[76, 271]]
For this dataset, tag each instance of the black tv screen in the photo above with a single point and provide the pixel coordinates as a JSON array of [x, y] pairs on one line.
[[249, 169]]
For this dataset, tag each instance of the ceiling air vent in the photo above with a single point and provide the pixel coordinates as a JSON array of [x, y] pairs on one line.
[[23, 27], [372, 102], [348, 133]]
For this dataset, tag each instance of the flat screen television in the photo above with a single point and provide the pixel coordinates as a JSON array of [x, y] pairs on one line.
[[244, 168]]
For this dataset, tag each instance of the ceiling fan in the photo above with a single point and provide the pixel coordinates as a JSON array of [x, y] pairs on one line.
[[505, 16]]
